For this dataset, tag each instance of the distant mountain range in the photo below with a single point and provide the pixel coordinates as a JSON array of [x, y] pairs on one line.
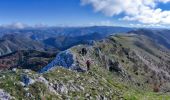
[[53, 38], [45, 32]]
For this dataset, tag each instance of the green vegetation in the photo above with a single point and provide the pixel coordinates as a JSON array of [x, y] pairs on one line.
[[94, 84]]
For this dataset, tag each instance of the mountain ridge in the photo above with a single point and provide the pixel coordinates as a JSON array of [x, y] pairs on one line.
[[130, 66]]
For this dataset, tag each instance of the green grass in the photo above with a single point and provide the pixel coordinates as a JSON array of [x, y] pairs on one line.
[[95, 82]]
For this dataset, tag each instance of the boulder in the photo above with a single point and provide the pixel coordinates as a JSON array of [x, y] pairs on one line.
[[114, 66], [4, 95]]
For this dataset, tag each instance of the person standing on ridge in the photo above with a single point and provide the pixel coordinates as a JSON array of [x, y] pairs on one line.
[[88, 65], [84, 51]]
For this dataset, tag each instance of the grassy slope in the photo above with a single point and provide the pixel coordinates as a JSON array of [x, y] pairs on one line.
[[94, 82]]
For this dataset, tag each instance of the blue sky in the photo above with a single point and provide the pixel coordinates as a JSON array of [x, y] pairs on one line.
[[79, 12], [51, 12]]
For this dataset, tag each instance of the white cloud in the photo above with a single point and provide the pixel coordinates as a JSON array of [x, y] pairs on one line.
[[143, 11], [164, 1], [102, 23], [16, 25], [40, 25], [148, 25], [19, 25]]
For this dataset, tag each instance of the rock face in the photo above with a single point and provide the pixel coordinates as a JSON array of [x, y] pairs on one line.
[[64, 59]]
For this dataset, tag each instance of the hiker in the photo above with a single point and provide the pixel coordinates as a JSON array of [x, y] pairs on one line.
[[84, 51], [88, 65]]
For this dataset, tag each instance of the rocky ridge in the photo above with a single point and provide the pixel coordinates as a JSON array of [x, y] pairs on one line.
[[121, 68]]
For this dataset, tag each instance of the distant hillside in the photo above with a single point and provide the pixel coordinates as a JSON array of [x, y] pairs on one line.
[[26, 59], [65, 42], [160, 36], [53, 38], [46, 32]]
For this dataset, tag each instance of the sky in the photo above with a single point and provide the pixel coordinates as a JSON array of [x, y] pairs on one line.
[[134, 13]]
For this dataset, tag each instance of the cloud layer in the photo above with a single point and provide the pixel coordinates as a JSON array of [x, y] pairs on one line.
[[19, 25], [143, 11], [16, 25]]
